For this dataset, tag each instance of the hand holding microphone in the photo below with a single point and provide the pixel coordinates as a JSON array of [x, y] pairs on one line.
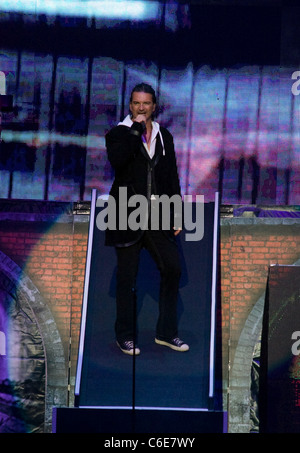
[[141, 118]]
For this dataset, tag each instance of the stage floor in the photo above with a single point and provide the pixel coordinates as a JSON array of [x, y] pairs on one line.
[[98, 420]]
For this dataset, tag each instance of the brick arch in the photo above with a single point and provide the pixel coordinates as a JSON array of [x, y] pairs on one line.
[[30, 298], [239, 398]]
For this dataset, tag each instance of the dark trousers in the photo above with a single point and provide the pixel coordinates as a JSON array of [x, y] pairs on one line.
[[166, 256]]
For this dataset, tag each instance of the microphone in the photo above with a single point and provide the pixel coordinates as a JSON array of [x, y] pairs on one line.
[[143, 125]]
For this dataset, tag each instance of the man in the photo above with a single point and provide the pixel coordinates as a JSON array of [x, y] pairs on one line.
[[143, 157]]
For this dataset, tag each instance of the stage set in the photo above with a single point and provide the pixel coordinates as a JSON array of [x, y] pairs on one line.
[[227, 80]]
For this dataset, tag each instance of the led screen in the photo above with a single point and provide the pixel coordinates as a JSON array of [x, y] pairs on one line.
[[235, 126]]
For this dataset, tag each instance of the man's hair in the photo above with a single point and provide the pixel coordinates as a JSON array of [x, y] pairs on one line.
[[144, 88]]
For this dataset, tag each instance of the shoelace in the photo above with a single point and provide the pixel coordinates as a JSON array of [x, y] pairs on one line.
[[129, 344], [177, 341]]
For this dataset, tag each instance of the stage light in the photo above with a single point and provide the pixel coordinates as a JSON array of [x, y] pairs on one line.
[[106, 9]]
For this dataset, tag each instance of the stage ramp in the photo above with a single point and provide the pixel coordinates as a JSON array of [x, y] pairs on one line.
[[162, 384]]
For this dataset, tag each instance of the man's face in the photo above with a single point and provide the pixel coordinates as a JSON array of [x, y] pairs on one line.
[[142, 104]]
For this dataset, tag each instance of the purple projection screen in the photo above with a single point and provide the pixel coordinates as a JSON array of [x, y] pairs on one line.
[[235, 126]]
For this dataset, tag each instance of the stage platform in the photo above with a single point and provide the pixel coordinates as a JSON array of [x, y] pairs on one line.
[[103, 420], [160, 391]]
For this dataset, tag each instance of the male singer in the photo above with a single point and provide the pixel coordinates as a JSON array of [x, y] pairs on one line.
[[142, 155]]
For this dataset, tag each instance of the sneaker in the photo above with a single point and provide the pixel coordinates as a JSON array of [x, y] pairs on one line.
[[175, 343], [128, 347]]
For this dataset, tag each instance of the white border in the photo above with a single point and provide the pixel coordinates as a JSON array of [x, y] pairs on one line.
[[213, 299], [85, 292], [150, 408]]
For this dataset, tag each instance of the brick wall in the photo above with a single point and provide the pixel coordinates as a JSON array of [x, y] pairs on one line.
[[46, 256], [247, 251], [248, 248], [52, 253]]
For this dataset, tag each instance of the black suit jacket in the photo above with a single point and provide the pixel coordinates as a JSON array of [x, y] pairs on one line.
[[140, 174]]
